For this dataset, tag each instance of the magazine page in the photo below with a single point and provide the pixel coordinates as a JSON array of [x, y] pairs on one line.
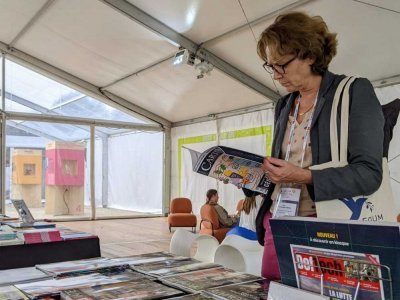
[[173, 266], [196, 297], [341, 273], [20, 275], [138, 289], [237, 167], [205, 279], [251, 290], [144, 258], [53, 287], [75, 266], [10, 292], [184, 269]]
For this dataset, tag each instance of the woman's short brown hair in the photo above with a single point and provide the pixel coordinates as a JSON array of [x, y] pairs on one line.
[[298, 33], [209, 195]]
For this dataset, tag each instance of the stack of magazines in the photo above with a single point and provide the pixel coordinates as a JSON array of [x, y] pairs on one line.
[[157, 275]]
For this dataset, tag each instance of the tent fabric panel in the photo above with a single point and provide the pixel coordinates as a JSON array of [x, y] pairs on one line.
[[93, 42], [14, 15], [201, 20], [175, 93]]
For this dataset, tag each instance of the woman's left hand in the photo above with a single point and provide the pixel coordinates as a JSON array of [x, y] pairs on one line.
[[281, 171]]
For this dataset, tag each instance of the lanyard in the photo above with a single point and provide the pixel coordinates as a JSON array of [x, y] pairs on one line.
[[306, 135]]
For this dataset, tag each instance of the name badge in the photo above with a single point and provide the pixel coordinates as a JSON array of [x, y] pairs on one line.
[[287, 204]]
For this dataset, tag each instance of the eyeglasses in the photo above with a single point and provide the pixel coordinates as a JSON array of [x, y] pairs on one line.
[[280, 69]]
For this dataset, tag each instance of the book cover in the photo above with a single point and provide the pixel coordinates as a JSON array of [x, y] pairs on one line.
[[9, 292], [35, 236], [249, 290], [237, 167], [367, 241], [69, 234], [138, 289], [205, 279], [11, 242]]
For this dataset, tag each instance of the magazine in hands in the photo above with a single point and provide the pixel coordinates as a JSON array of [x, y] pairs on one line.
[[240, 168]]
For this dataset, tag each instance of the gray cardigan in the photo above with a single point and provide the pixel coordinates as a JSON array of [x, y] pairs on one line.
[[363, 174]]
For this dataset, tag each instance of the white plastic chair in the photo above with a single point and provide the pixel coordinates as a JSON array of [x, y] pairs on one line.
[[240, 254], [183, 242]]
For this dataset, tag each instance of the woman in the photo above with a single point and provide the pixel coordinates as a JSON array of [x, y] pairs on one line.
[[224, 219], [297, 50], [248, 212]]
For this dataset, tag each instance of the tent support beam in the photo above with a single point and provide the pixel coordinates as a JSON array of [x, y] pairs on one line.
[[225, 114], [81, 85], [153, 24], [32, 21], [31, 130], [388, 81], [44, 110], [81, 121]]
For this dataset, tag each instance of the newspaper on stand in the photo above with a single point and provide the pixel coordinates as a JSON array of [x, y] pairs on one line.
[[237, 167]]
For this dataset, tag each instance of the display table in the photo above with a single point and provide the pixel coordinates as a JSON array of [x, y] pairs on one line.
[[29, 255]]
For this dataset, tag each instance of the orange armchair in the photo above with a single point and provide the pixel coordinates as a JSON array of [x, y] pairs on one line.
[[181, 214], [210, 224]]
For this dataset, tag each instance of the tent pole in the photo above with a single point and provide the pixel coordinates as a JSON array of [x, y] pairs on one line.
[[166, 172], [92, 174]]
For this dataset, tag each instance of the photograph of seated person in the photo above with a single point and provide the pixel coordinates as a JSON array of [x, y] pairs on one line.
[[224, 218], [248, 213], [297, 57]]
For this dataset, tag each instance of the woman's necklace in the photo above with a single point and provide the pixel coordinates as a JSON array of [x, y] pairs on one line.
[[306, 111]]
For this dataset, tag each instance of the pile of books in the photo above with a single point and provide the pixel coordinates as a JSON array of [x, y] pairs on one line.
[[149, 276]]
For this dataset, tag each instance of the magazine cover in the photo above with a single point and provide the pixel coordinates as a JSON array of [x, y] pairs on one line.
[[341, 273], [144, 258], [9, 292], [378, 241], [250, 290], [53, 287], [75, 266], [184, 269], [20, 275], [205, 279], [240, 168], [138, 289], [195, 297], [173, 266]]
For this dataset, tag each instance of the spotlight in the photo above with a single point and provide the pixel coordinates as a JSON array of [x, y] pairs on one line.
[[183, 56]]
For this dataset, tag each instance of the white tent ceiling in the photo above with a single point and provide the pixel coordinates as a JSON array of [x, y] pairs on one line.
[[95, 42]]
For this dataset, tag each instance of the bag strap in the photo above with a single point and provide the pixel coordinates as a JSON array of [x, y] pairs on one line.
[[342, 90]]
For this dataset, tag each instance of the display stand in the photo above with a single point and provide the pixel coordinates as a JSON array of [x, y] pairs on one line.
[[361, 271], [29, 255], [27, 176], [65, 178]]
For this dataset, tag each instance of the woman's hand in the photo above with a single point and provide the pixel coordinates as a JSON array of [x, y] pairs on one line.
[[281, 171]]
